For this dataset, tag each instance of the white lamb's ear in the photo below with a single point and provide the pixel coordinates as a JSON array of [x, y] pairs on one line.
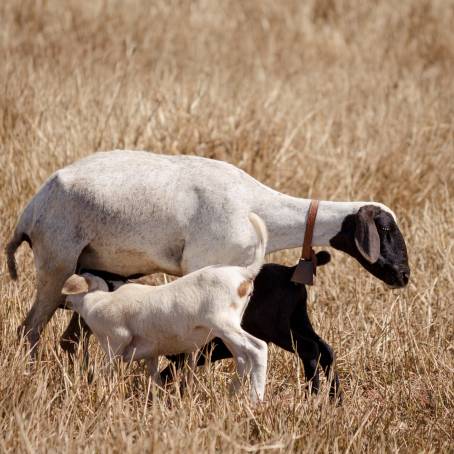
[[75, 285]]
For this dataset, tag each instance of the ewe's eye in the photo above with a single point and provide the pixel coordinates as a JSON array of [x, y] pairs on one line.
[[385, 226], [386, 232]]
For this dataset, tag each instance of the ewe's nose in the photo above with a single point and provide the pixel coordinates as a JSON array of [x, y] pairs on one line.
[[405, 276], [401, 275]]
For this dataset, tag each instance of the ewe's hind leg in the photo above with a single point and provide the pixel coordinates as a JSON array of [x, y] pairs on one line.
[[51, 276], [190, 369], [176, 363], [75, 331], [153, 371]]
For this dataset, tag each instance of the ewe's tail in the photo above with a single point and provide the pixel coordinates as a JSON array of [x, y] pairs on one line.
[[262, 235], [19, 236], [10, 259]]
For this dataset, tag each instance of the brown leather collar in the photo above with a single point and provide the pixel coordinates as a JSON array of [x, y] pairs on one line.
[[307, 252], [305, 270]]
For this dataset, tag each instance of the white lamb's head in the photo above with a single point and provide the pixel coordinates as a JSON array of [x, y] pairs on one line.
[[77, 286]]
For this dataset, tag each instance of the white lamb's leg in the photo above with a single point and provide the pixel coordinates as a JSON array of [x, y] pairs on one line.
[[259, 360], [251, 356], [115, 343]]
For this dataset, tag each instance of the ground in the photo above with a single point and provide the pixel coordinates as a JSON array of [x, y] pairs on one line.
[[334, 100]]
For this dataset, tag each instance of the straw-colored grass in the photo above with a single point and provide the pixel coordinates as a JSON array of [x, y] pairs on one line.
[[341, 100]]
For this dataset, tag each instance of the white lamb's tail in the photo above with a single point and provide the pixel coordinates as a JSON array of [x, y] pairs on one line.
[[262, 236]]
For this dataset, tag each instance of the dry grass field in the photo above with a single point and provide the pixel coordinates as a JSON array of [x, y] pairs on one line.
[[338, 100]]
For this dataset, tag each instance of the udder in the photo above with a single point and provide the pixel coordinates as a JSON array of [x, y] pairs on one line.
[[123, 260]]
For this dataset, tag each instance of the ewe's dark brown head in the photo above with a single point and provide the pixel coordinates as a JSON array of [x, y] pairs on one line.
[[372, 237]]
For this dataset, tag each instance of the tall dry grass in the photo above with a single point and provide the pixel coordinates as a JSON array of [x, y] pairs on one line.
[[328, 99]]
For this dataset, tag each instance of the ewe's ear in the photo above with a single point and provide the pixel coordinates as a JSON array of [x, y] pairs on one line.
[[367, 239], [75, 285]]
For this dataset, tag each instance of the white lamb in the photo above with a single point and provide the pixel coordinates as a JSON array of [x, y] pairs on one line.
[[143, 322]]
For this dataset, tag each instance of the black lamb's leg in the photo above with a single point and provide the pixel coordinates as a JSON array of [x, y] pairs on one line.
[[301, 323], [325, 357], [327, 360], [177, 362], [216, 347], [309, 353]]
